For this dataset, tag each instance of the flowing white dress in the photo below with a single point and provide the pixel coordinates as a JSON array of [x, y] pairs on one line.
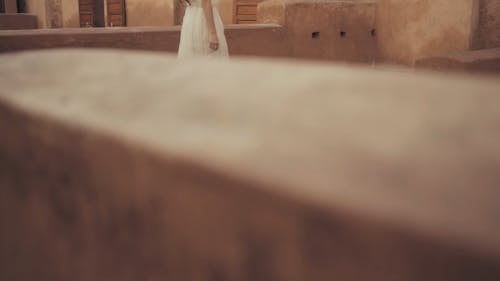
[[195, 36]]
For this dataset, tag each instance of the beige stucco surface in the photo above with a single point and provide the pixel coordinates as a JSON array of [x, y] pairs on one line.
[[225, 8], [71, 17], [150, 12], [37, 7], [411, 29], [323, 29]]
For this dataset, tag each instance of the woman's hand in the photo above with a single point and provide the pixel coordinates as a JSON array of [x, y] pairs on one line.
[[209, 16], [214, 42]]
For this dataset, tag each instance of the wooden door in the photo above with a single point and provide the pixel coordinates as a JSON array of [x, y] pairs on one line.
[[245, 11], [87, 12], [116, 13]]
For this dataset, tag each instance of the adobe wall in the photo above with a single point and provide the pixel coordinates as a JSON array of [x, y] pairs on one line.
[[150, 12], [164, 12], [323, 29], [71, 17], [124, 166], [256, 40], [37, 7], [411, 29], [225, 8], [54, 13]]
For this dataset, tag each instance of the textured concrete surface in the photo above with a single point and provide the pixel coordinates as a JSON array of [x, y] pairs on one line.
[[37, 8], [54, 13], [71, 17], [486, 61], [120, 166], [150, 12], [412, 29], [242, 39], [325, 29]]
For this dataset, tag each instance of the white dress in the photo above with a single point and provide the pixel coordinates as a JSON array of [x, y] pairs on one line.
[[195, 36]]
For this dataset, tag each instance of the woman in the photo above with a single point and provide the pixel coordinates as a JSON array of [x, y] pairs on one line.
[[202, 32]]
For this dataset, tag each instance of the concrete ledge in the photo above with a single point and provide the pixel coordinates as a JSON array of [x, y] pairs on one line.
[[486, 61], [258, 40], [18, 21], [124, 166]]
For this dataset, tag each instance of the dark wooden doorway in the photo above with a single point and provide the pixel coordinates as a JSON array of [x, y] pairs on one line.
[[91, 13], [21, 6], [2, 7], [116, 13]]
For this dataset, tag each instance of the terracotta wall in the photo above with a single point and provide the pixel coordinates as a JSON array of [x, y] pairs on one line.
[[336, 30], [54, 13], [411, 29], [150, 12], [263, 40]]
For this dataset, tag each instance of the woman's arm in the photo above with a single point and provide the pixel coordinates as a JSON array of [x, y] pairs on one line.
[[209, 16]]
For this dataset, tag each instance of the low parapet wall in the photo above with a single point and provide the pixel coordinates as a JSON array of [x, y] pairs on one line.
[[126, 166], [258, 40]]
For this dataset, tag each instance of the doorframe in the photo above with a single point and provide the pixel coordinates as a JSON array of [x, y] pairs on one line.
[[100, 13], [106, 16]]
